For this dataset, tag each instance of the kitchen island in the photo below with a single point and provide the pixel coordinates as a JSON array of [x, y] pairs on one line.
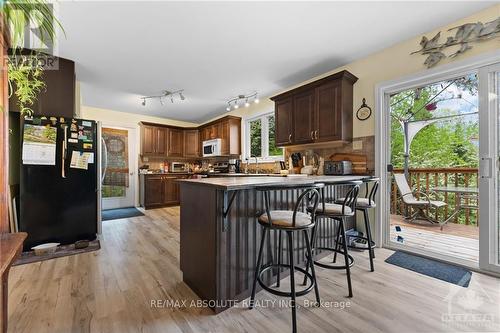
[[219, 232]]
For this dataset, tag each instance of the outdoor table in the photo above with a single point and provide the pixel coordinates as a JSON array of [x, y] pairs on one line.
[[468, 193]]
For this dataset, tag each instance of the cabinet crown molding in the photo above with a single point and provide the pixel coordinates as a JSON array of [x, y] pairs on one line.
[[343, 75]]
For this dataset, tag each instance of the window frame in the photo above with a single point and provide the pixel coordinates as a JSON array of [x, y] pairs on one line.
[[264, 128]]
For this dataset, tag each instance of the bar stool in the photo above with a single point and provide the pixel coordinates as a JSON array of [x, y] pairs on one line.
[[364, 204], [339, 213], [291, 222]]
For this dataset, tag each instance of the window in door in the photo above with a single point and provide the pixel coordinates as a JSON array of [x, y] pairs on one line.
[[116, 177]]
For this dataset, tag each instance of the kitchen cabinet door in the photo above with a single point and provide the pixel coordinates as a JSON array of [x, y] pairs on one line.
[[224, 136], [161, 141], [283, 117], [191, 143], [171, 190], [153, 191], [175, 142], [148, 140], [303, 117], [328, 114]]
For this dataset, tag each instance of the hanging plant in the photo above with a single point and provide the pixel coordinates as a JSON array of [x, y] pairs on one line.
[[25, 74], [25, 71]]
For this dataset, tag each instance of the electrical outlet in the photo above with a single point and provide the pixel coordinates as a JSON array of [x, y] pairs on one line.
[[357, 145]]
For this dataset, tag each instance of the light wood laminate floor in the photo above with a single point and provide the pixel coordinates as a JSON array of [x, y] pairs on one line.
[[111, 291]]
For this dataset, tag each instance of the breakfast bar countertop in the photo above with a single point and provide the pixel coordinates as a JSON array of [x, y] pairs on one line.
[[244, 183]]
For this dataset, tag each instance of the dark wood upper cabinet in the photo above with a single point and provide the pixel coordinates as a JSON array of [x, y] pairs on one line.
[[175, 142], [228, 129], [148, 140], [283, 121], [161, 140], [328, 115], [319, 111], [303, 117], [171, 141], [191, 143]]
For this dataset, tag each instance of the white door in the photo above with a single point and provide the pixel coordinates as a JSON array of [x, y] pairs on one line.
[[489, 91], [118, 182]]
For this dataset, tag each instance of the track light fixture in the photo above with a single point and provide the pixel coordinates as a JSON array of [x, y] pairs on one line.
[[242, 100], [165, 94]]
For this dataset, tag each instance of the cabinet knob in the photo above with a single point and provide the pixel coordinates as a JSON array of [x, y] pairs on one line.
[[316, 134], [290, 137], [312, 135]]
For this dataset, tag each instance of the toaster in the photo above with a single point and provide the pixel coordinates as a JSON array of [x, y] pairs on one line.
[[338, 168]]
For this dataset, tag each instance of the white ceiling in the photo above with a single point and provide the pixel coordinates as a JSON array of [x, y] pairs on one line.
[[217, 50]]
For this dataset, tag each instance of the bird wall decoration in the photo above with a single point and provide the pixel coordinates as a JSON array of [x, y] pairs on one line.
[[464, 36]]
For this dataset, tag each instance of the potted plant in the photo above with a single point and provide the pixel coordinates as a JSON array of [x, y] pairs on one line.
[[25, 71]]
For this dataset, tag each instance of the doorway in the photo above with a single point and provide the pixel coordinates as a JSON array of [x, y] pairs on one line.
[[118, 183], [434, 144], [467, 186]]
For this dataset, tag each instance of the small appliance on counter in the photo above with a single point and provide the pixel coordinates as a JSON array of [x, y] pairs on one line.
[[212, 148], [234, 165], [178, 167], [338, 168], [221, 167]]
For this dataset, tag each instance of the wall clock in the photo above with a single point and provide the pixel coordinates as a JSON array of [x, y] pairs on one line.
[[364, 112]]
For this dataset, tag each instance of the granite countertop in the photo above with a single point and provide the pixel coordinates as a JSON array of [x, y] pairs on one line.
[[244, 183]]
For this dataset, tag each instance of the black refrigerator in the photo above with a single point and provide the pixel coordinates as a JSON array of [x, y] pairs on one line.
[[58, 184]]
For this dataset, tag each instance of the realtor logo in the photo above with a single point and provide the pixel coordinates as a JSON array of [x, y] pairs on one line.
[[472, 309], [34, 35]]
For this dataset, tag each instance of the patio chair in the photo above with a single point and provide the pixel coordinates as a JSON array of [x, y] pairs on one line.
[[421, 206]]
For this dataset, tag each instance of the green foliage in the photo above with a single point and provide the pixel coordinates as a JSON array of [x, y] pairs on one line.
[[25, 72], [256, 138], [17, 14], [447, 143], [25, 77], [273, 150]]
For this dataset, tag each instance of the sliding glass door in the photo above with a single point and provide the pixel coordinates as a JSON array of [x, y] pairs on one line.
[[489, 168]]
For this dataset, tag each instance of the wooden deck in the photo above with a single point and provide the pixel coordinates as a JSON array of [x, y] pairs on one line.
[[457, 240]]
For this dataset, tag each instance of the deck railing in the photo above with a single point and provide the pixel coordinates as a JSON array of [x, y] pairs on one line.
[[424, 179]]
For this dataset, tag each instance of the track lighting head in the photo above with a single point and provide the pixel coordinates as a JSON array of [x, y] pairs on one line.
[[165, 94], [243, 100]]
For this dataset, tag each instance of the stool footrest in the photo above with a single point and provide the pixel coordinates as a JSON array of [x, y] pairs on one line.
[[329, 266], [284, 293]]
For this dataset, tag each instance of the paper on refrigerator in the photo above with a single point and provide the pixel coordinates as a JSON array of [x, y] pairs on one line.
[[39, 145], [79, 160]]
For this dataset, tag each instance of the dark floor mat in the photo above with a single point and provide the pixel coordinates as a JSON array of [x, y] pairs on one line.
[[120, 213], [436, 269]]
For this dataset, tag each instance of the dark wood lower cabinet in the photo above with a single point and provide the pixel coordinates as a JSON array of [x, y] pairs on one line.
[[159, 190]]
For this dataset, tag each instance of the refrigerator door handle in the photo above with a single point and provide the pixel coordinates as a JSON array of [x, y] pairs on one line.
[[105, 159], [64, 151]]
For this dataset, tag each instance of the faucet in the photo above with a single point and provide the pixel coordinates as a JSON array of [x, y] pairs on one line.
[[256, 165]]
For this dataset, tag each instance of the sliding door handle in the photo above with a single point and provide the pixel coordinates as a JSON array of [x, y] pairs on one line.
[[486, 167]]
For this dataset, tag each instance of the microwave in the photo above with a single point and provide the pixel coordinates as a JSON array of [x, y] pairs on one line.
[[178, 167], [212, 147]]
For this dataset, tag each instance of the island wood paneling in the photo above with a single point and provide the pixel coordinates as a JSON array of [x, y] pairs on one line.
[[218, 257]]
